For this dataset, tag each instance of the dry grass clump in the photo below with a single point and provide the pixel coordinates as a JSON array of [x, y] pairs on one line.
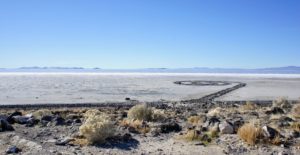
[[193, 135], [248, 106], [139, 126], [249, 133], [196, 135], [158, 115], [296, 126], [41, 113], [196, 120], [140, 112], [91, 113], [97, 127], [282, 102], [296, 110], [80, 141], [276, 140]]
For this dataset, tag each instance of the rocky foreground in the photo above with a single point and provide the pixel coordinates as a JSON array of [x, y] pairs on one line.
[[166, 128]]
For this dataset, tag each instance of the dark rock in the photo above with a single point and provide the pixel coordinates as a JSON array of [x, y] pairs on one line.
[[253, 113], [5, 126], [77, 121], [47, 118], [127, 99], [275, 110], [170, 127], [31, 122], [295, 134], [20, 119], [237, 123], [132, 130], [126, 137], [211, 122], [3, 117], [10, 117], [269, 132], [13, 150], [123, 114], [64, 141], [59, 121], [226, 128], [285, 118], [69, 122], [283, 124]]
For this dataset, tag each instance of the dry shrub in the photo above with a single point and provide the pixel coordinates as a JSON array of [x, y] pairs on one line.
[[41, 113], [281, 102], [248, 106], [140, 112], [276, 140], [80, 141], [139, 126], [196, 135], [158, 115], [91, 113], [296, 126], [97, 127], [193, 135], [296, 110], [196, 120], [249, 133]]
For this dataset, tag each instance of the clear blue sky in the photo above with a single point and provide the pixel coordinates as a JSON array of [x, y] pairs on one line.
[[150, 33]]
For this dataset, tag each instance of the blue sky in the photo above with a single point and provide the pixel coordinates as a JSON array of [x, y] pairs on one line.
[[150, 33]]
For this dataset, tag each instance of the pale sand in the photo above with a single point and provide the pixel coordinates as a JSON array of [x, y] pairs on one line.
[[21, 88]]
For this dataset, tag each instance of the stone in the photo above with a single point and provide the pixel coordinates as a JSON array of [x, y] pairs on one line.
[[64, 141], [269, 132], [47, 118], [5, 126], [59, 121], [275, 110], [10, 117], [132, 130], [13, 150], [31, 122], [211, 123], [226, 128], [170, 127], [20, 119], [237, 123], [77, 121]]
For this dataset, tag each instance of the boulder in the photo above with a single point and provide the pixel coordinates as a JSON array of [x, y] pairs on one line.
[[20, 119], [275, 110], [10, 117], [31, 122], [170, 127], [237, 123], [47, 118], [5, 126], [269, 132], [59, 121], [64, 141], [211, 123], [226, 128], [13, 150]]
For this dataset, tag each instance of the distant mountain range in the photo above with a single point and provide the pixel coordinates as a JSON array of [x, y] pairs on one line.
[[275, 70]]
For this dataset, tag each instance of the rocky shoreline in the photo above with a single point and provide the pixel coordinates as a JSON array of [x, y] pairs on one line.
[[202, 126]]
